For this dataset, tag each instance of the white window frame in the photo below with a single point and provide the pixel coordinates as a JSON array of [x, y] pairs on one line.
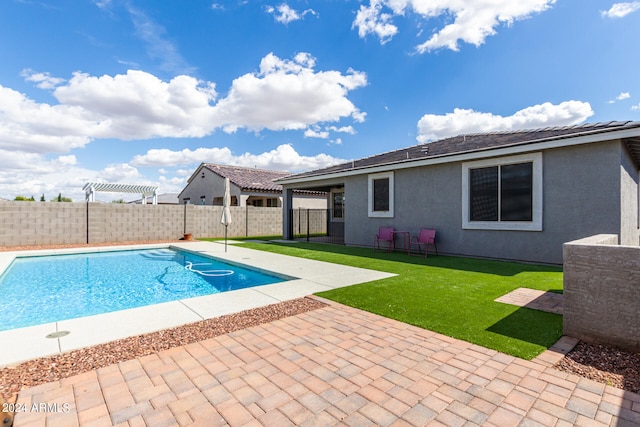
[[535, 224], [380, 214]]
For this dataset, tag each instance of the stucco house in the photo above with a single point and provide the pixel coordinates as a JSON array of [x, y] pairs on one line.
[[249, 187], [515, 195]]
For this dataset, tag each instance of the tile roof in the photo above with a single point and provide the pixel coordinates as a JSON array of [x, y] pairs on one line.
[[472, 143], [251, 179]]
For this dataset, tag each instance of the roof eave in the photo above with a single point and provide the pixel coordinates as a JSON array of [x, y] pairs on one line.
[[514, 148]]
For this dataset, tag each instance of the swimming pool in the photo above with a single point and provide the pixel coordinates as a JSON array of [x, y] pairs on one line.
[[37, 290]]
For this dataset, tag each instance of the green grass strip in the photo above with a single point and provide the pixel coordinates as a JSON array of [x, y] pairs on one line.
[[450, 295]]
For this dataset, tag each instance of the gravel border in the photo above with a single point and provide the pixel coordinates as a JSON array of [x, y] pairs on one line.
[[608, 365]]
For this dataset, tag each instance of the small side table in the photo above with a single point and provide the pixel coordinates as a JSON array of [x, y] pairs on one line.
[[405, 240]]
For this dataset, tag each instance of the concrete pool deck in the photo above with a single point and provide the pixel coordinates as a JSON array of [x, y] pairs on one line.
[[311, 276]]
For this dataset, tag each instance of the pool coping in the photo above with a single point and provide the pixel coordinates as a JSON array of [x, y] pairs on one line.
[[311, 276]]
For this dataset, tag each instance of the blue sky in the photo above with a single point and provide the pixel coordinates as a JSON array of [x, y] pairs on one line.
[[142, 92]]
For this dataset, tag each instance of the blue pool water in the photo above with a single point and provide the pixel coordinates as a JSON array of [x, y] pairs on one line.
[[38, 290]]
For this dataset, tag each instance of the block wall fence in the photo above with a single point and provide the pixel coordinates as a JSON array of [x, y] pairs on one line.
[[602, 291], [38, 223]]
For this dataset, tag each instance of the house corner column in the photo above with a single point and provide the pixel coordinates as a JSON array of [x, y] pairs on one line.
[[287, 205]]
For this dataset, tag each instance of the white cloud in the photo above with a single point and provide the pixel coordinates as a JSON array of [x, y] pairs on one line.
[[620, 10], [344, 129], [176, 183], [371, 20], [158, 46], [42, 80], [316, 133], [284, 157], [139, 105], [120, 173], [102, 4], [473, 21], [285, 14], [31, 174], [28, 126], [302, 96], [433, 127], [622, 96], [166, 157]]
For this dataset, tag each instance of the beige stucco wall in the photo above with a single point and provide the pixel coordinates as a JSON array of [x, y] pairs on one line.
[[35, 223], [210, 185]]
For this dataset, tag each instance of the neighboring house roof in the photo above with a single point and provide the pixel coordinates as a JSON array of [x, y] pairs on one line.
[[249, 179], [480, 142], [163, 199]]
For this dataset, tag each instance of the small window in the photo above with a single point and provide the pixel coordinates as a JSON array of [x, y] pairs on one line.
[[380, 197], [504, 194]]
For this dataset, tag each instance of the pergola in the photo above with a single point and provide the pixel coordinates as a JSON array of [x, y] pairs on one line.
[[91, 188]]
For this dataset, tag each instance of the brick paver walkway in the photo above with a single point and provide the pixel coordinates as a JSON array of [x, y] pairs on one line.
[[535, 299], [332, 366]]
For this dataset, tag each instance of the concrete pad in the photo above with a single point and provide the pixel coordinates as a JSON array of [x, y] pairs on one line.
[[217, 305], [292, 289], [27, 343]]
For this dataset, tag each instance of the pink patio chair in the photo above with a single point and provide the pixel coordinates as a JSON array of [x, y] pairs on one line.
[[385, 234], [427, 237]]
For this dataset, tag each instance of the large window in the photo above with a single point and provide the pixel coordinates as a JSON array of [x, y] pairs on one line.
[[380, 197], [503, 193]]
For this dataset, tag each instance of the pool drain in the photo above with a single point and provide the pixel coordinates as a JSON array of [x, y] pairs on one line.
[[58, 334]]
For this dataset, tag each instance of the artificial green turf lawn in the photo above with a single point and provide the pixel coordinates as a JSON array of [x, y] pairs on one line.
[[450, 295]]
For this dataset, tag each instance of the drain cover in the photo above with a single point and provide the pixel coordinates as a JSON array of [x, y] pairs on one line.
[[58, 334]]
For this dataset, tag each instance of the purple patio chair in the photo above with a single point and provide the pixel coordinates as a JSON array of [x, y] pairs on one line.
[[427, 237], [385, 234]]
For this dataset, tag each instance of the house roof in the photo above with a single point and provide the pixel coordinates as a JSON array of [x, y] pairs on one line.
[[163, 199], [249, 179], [479, 142]]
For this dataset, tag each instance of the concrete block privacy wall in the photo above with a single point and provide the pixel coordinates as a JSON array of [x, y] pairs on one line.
[[37, 223], [602, 291]]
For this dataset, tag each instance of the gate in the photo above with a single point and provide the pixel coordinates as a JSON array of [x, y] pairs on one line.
[[316, 225]]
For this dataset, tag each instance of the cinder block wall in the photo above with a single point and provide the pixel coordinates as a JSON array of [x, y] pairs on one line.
[[264, 221], [36, 223], [32, 223], [602, 291]]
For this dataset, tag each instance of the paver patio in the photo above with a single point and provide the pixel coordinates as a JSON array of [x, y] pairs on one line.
[[332, 366], [534, 299]]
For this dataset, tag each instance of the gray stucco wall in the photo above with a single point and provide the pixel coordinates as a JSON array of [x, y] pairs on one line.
[[581, 197], [602, 292], [629, 193]]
